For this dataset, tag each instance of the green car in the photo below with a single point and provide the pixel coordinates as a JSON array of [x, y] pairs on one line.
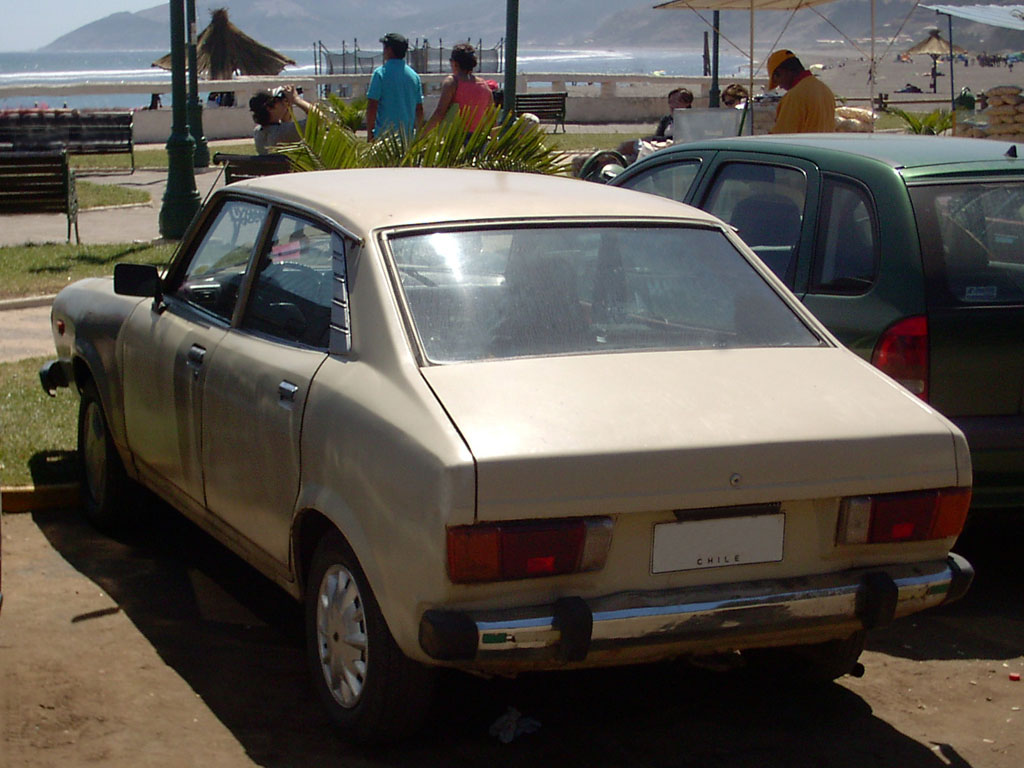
[[909, 248]]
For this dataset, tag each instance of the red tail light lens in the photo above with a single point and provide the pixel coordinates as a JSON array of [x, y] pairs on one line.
[[902, 353], [524, 550], [892, 517]]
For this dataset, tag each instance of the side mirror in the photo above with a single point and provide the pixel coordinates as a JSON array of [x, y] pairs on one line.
[[139, 280], [136, 280]]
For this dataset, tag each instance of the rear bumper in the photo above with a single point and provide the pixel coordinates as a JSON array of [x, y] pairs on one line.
[[707, 618]]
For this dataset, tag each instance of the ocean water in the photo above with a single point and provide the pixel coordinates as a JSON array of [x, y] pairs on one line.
[[28, 68]]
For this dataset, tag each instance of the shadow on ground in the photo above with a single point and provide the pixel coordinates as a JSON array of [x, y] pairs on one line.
[[237, 640], [988, 623]]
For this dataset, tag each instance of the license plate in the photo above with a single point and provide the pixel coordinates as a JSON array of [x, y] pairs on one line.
[[717, 543]]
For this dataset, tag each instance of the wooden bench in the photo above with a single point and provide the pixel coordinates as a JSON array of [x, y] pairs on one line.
[[77, 132], [239, 167], [38, 182], [548, 107]]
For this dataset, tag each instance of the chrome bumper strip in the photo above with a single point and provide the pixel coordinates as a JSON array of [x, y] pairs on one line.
[[848, 600]]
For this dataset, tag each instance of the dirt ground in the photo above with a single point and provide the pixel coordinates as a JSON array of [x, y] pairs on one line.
[[162, 649]]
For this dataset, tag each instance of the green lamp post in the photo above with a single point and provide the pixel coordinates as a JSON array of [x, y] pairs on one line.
[[511, 53], [181, 198], [201, 158]]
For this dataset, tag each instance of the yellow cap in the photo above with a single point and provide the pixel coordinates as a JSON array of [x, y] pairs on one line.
[[774, 60]]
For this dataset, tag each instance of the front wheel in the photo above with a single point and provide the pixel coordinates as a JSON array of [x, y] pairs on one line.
[[103, 479], [371, 690]]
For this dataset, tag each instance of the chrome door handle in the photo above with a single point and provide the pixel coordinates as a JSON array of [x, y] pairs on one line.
[[286, 391]]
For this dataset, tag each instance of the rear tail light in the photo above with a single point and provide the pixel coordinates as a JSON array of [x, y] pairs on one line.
[[893, 517], [526, 550], [902, 353]]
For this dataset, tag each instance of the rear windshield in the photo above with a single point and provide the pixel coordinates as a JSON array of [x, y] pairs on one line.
[[514, 292], [975, 233]]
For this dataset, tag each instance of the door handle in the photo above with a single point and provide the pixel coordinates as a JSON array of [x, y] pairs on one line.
[[286, 391], [195, 357]]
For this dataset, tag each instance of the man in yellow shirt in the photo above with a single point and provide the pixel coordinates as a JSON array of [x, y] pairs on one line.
[[809, 106]]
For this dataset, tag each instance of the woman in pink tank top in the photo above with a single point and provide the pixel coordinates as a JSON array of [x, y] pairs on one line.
[[462, 89]]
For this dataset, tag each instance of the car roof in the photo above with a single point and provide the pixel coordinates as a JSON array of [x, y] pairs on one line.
[[899, 151], [374, 198]]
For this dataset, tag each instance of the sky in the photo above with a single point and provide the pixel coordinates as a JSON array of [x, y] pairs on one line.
[[30, 25]]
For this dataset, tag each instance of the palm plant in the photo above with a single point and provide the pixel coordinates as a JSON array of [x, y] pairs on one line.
[[933, 123], [512, 144], [351, 114]]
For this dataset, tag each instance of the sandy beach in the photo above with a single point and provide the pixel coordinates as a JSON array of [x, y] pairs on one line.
[[848, 76]]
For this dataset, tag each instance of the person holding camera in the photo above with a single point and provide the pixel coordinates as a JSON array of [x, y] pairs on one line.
[[275, 122]]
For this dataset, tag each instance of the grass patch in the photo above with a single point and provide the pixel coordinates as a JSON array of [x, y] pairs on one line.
[[590, 142], [98, 195], [155, 157], [40, 432], [32, 270]]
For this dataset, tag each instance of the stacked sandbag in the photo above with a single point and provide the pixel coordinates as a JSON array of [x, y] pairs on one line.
[[854, 120], [1003, 115]]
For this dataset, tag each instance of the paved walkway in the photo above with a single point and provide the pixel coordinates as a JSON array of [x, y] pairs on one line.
[[120, 224]]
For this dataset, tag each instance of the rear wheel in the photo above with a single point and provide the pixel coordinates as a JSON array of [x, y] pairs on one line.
[[104, 481], [371, 690]]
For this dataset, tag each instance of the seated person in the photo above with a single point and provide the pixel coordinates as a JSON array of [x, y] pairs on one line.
[[272, 112], [678, 98], [734, 95]]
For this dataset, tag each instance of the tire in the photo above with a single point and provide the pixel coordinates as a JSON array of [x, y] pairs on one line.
[[105, 485], [816, 664], [371, 690]]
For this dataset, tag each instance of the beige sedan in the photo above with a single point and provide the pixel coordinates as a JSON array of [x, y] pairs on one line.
[[504, 422]]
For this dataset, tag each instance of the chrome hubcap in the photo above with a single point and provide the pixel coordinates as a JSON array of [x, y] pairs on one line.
[[341, 636], [95, 450]]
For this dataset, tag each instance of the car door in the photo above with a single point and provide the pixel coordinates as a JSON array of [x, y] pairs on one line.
[[769, 200], [257, 381], [847, 289], [166, 348]]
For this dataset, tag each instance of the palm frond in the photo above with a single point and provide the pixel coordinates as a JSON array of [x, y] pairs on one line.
[[510, 145]]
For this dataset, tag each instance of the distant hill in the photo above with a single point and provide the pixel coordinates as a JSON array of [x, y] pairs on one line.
[[601, 23]]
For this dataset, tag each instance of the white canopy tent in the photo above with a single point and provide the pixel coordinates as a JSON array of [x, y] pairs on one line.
[[1006, 16], [762, 5]]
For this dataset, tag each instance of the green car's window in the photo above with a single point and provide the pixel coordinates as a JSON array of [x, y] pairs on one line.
[[765, 203], [845, 257], [977, 231], [214, 273], [478, 294], [291, 296], [671, 180]]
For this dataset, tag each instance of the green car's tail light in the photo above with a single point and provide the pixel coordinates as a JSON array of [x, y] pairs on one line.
[[902, 353], [893, 517], [525, 550]]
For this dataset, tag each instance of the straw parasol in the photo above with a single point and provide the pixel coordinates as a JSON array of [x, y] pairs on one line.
[[934, 46], [223, 49]]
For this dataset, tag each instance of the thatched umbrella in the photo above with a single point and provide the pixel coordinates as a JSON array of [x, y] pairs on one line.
[[935, 46], [223, 49]]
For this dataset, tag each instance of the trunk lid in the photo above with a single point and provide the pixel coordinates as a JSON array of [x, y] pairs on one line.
[[613, 433]]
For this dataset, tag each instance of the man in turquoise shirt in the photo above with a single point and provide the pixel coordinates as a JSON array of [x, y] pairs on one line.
[[395, 95]]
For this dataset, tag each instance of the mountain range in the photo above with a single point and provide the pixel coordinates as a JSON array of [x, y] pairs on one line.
[[569, 23]]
